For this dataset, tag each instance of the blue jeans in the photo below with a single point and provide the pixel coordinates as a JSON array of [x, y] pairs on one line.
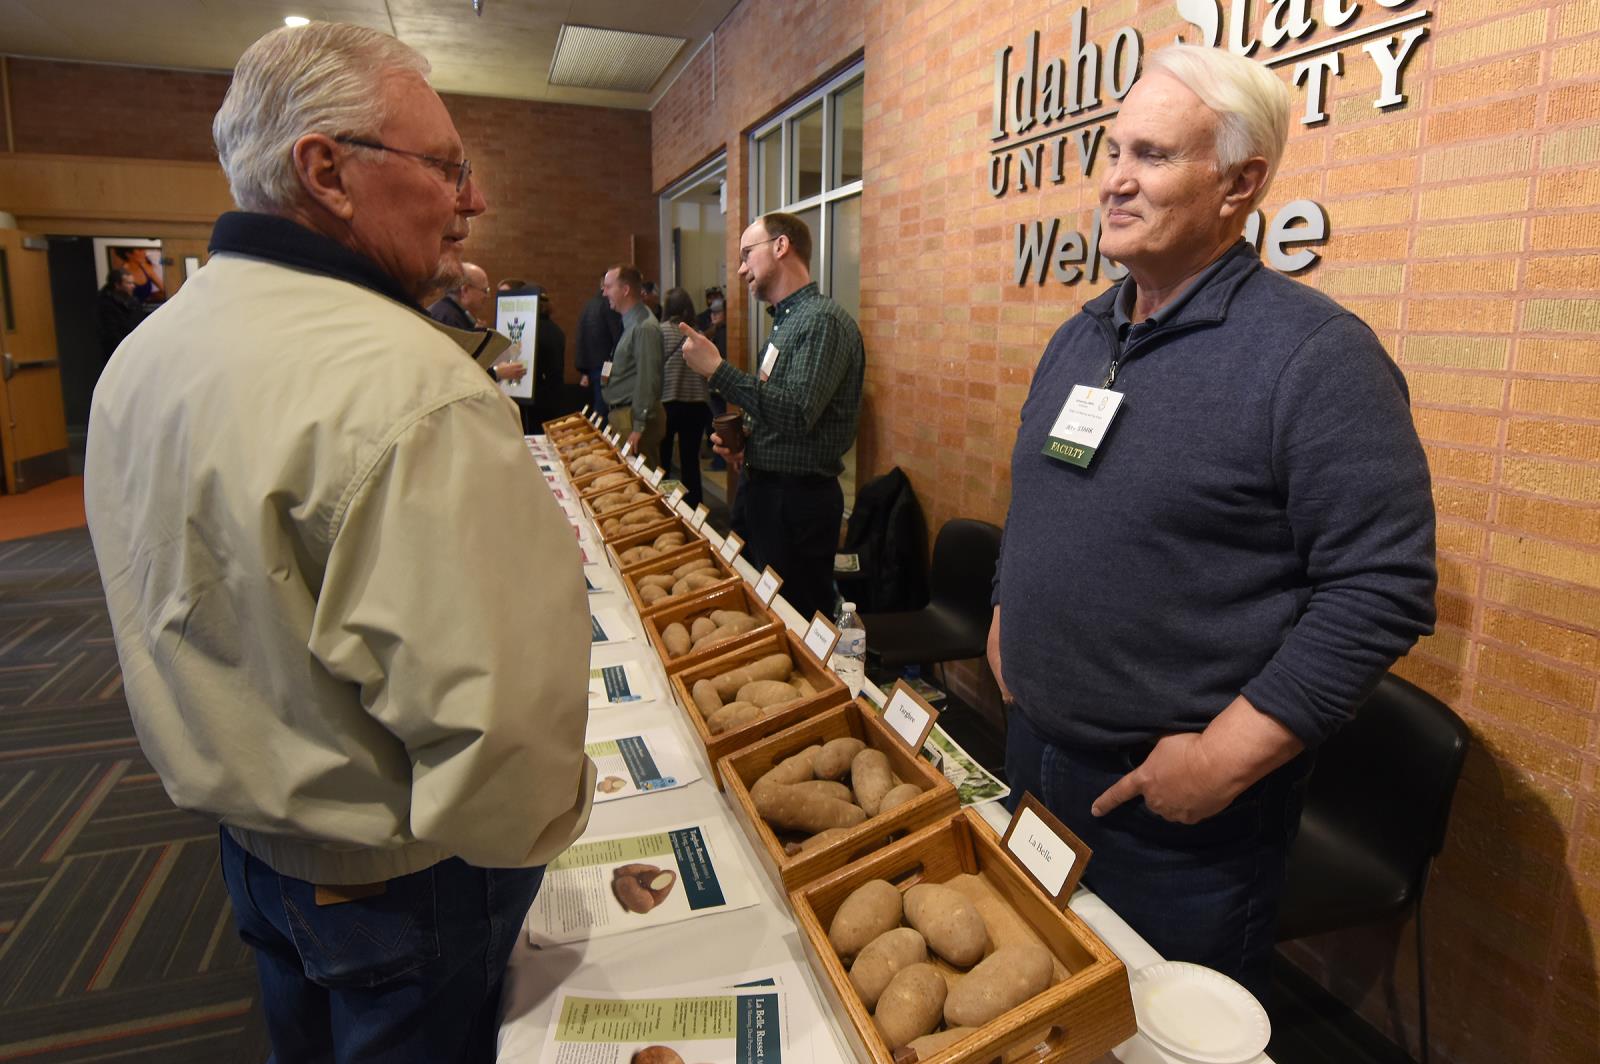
[[411, 974], [1205, 892]]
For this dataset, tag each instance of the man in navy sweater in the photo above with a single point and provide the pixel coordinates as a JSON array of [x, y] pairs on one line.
[[1221, 531]]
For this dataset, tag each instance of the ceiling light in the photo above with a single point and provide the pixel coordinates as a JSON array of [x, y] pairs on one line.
[[295, 20], [591, 58]]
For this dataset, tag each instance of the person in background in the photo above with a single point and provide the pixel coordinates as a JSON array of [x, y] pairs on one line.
[[599, 329], [469, 306], [276, 531], [117, 311], [549, 363], [633, 389], [802, 406], [652, 298], [1187, 604], [684, 394], [511, 284], [703, 322]]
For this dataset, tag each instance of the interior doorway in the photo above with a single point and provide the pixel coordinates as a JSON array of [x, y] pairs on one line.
[[694, 233]]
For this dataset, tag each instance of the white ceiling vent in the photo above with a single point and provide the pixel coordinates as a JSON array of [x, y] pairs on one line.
[[591, 58]]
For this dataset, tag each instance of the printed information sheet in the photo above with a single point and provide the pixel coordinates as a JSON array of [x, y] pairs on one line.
[[607, 626], [616, 884], [615, 685], [638, 762]]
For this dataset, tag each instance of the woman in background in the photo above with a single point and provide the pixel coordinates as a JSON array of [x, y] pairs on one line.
[[684, 394]]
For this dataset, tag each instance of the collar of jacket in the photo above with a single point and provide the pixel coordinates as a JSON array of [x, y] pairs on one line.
[[1208, 305], [267, 236], [794, 299]]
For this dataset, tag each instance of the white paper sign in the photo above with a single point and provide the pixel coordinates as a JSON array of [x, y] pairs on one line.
[[676, 497], [605, 370], [518, 317], [731, 547], [655, 477], [820, 638], [595, 420], [1042, 851], [638, 462], [586, 410], [698, 519], [627, 449], [906, 718], [767, 586]]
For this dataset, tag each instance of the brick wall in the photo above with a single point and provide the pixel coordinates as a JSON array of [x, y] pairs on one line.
[[549, 221], [1465, 232]]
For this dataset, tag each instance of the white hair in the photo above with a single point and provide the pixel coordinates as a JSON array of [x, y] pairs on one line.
[[1250, 102], [325, 77]]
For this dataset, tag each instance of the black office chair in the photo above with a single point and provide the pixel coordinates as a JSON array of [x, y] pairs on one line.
[[1377, 805], [955, 622]]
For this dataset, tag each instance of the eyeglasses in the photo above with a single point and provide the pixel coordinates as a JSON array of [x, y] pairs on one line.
[[744, 252], [462, 169]]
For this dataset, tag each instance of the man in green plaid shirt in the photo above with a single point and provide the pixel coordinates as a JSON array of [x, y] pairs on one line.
[[801, 408]]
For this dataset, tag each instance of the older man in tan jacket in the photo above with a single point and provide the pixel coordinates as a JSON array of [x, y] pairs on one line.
[[301, 497]]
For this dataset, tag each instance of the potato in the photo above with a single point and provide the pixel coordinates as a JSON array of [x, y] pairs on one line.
[[795, 807], [695, 566], [656, 1055], [700, 628], [637, 554], [733, 715], [871, 779], [898, 795], [948, 921], [767, 692], [804, 686], [705, 697], [1000, 920], [834, 761], [929, 1044], [667, 539], [716, 635], [1005, 979], [772, 667], [651, 593], [885, 955], [910, 1006], [796, 768], [661, 580], [744, 622], [610, 526], [871, 909], [611, 480], [822, 838], [826, 788], [644, 515], [676, 639], [695, 581]]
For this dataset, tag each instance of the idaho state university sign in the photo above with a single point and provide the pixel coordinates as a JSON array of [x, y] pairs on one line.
[[1049, 120]]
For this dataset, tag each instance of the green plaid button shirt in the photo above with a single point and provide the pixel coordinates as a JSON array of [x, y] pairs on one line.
[[803, 417]]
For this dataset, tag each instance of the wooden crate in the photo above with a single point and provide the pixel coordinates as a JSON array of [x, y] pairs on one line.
[[741, 598], [568, 424], [664, 521], [1085, 1012], [615, 547], [830, 692], [858, 720], [691, 551]]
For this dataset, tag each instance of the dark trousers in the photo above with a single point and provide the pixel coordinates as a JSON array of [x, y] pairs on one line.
[[1207, 892], [599, 399], [687, 423], [409, 975], [792, 524]]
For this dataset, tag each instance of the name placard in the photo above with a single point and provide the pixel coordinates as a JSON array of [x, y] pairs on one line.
[[676, 497], [655, 477], [767, 587], [586, 410], [909, 716], [821, 637], [1046, 849], [731, 547], [627, 449], [596, 420], [638, 462], [697, 520]]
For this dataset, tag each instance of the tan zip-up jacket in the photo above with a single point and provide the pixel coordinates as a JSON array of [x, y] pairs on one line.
[[350, 616]]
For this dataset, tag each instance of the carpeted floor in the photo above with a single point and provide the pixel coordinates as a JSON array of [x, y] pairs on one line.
[[116, 938]]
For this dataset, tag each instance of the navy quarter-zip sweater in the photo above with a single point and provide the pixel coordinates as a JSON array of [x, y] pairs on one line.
[[1258, 520]]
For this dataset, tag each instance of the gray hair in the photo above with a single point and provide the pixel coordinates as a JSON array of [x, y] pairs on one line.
[[326, 77], [1251, 103]]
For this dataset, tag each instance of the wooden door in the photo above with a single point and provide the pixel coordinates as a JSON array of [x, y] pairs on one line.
[[33, 423]]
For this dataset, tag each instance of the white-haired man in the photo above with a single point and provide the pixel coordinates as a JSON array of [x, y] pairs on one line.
[[1225, 462], [291, 471]]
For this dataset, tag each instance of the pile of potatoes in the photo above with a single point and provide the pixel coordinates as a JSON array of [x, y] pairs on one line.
[[609, 480], [760, 688], [685, 579], [635, 519], [585, 464], [616, 500], [995, 961], [807, 801], [660, 545], [700, 630]]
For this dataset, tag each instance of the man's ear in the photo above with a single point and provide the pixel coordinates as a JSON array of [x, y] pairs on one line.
[[317, 163], [1247, 181]]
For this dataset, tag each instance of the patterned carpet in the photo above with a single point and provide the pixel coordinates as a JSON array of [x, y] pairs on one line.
[[116, 937]]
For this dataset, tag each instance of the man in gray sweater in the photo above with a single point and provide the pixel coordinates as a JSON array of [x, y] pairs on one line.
[[1221, 531], [632, 386]]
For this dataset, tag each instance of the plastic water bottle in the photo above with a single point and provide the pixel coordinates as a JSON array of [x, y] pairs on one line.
[[850, 656]]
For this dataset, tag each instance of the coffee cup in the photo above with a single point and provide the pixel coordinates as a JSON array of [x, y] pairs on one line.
[[729, 428]]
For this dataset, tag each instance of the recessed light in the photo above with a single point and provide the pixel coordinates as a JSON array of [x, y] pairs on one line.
[[295, 20]]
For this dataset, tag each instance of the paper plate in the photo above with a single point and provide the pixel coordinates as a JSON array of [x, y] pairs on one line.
[[1199, 1014]]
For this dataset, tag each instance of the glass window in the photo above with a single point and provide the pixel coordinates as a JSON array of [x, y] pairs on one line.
[[769, 160], [805, 176], [813, 219], [844, 267], [847, 135]]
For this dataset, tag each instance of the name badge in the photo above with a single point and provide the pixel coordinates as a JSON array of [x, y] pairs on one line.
[[769, 360], [605, 371], [1082, 424], [731, 547], [909, 716], [1046, 849], [767, 587], [698, 518], [821, 638], [655, 477]]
